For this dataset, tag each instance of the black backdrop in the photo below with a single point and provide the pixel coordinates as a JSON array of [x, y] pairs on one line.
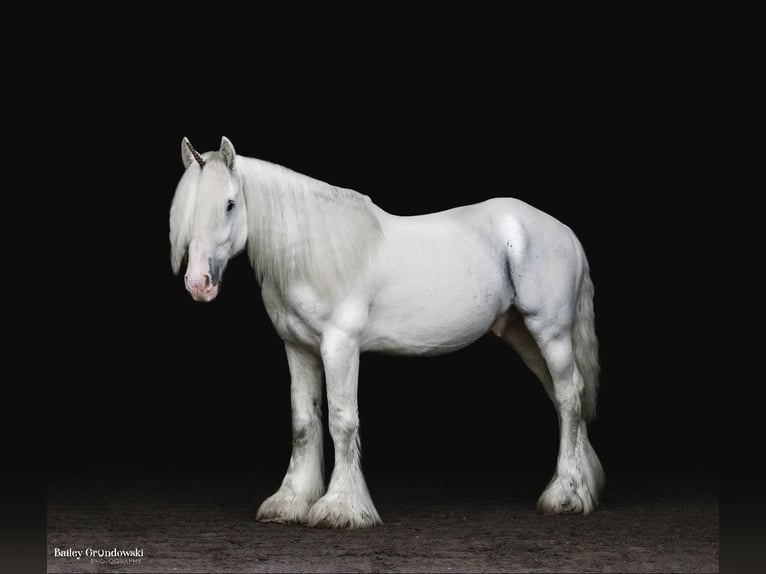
[[144, 378]]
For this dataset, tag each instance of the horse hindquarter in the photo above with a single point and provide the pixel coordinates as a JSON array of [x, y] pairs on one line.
[[554, 296]]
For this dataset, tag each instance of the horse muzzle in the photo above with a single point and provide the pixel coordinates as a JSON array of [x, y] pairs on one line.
[[201, 288]]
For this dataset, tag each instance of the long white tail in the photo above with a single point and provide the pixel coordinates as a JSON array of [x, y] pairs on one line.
[[586, 343]]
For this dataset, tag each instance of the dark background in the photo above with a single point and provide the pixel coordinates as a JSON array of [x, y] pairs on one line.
[[603, 118], [601, 131]]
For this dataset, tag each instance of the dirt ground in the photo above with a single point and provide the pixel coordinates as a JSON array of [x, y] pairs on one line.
[[432, 524]]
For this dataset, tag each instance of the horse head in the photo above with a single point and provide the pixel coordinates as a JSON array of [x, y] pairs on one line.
[[208, 218]]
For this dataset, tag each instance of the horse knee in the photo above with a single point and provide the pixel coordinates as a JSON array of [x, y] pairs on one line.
[[343, 423], [305, 428]]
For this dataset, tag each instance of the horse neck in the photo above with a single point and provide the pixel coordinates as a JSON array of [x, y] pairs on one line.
[[300, 227]]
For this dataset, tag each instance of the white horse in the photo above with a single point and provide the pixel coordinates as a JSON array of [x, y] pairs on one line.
[[340, 276]]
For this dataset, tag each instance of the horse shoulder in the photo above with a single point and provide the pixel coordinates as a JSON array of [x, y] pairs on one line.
[[303, 314]]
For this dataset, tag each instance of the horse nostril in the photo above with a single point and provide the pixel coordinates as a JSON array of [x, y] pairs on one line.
[[204, 284]]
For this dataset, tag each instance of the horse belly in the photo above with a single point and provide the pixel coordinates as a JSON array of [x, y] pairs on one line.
[[438, 306]]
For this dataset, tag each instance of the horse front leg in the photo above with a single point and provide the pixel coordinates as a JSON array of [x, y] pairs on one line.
[[304, 481], [347, 503]]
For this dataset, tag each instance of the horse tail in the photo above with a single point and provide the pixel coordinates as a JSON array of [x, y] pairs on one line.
[[585, 342]]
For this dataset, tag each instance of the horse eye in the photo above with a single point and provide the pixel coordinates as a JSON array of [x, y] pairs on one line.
[[230, 205]]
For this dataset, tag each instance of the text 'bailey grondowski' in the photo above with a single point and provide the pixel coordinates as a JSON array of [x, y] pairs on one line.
[[98, 553]]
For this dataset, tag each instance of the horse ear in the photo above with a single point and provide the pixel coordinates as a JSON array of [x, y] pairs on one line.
[[186, 155], [189, 154], [228, 153]]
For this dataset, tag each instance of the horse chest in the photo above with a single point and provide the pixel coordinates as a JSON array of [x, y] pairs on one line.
[[297, 317]]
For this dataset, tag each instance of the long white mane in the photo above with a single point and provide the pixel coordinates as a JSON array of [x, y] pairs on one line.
[[300, 227]]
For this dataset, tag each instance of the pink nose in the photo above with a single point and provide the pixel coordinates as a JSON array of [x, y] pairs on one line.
[[201, 285]]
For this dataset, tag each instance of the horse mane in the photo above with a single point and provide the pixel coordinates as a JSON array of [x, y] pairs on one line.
[[300, 227]]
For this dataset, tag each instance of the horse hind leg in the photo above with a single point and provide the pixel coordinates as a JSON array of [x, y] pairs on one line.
[[516, 334], [579, 476]]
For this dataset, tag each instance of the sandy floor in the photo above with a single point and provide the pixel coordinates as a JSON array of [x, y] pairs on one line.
[[470, 524]]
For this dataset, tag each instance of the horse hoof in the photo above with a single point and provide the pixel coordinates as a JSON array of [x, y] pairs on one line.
[[333, 512], [563, 497], [283, 509]]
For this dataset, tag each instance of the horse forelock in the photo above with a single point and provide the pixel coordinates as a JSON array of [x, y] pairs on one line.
[[182, 216]]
